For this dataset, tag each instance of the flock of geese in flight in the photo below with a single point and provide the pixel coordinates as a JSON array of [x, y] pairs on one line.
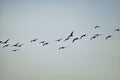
[[44, 43]]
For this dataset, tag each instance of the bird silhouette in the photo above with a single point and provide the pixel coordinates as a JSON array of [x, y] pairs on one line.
[[42, 42], [15, 50], [97, 27], [83, 36], [20, 45], [67, 38], [108, 37], [74, 40], [45, 43], [97, 35], [0, 41], [92, 38], [62, 48], [116, 29], [58, 40], [16, 45], [33, 40], [4, 42], [71, 34], [5, 45]]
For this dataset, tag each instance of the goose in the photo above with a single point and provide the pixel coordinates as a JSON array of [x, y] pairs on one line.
[[58, 40], [62, 48], [83, 36], [15, 50], [108, 37], [45, 43], [92, 38], [71, 34], [97, 35], [5, 45], [4, 42], [0, 41], [20, 45], [116, 29], [74, 40], [42, 42], [67, 38], [16, 44], [33, 40], [97, 27]]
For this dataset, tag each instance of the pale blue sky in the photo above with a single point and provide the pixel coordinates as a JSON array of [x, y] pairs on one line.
[[24, 20]]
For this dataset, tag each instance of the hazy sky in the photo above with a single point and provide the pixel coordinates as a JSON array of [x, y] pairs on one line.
[[24, 20]]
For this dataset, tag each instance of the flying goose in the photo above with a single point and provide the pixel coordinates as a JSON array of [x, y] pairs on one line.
[[83, 36], [97, 27], [62, 48], [5, 45], [45, 43], [4, 42], [92, 38], [15, 50], [42, 42], [116, 29], [67, 38], [108, 37], [16, 44], [20, 45], [74, 40], [58, 40], [71, 34], [33, 40]]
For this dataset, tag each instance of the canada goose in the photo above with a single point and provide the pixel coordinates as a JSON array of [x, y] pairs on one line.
[[71, 34], [92, 38], [42, 42], [83, 36], [16, 44], [0, 41], [108, 37], [5, 45], [15, 50], [33, 40], [62, 48], [67, 38], [45, 43], [74, 40], [97, 27], [4, 42], [97, 35], [116, 29], [58, 40], [20, 45]]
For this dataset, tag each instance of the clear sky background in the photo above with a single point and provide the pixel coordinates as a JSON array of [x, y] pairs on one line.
[[24, 20]]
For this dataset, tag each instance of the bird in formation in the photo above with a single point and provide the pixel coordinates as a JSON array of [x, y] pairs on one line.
[[45, 43], [5, 45], [116, 29], [4, 41], [42, 42], [108, 37], [83, 36], [74, 40], [15, 50], [62, 48], [58, 40], [97, 27], [33, 40]]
